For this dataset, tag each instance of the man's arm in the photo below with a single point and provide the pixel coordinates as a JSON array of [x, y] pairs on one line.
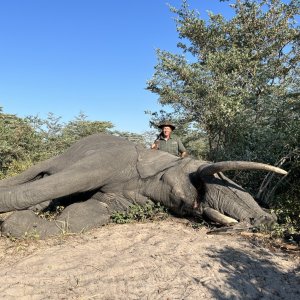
[[182, 150]]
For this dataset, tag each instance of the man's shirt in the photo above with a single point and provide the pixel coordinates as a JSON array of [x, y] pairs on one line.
[[173, 145]]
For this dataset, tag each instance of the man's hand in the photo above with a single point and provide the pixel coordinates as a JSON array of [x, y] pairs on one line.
[[184, 154], [154, 146]]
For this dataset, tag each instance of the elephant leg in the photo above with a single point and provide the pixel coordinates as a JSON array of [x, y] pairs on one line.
[[115, 203], [93, 212], [118, 203], [77, 217], [26, 223]]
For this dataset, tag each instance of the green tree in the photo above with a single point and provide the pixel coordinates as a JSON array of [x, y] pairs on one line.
[[56, 136], [81, 127], [18, 142], [49, 131], [133, 137], [244, 74]]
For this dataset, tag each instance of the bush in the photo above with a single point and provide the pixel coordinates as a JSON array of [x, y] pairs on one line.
[[140, 213]]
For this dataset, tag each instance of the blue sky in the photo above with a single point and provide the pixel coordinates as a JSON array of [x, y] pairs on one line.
[[94, 56]]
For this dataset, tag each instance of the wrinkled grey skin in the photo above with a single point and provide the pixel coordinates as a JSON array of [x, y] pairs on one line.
[[101, 174]]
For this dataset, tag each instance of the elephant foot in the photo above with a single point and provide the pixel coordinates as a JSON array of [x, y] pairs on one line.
[[26, 223], [75, 218]]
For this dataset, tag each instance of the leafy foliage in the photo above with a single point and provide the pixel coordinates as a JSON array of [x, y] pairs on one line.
[[56, 136], [18, 143], [133, 137], [140, 213], [242, 84], [26, 141]]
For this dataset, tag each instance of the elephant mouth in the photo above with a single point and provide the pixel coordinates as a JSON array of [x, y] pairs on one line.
[[208, 172], [264, 220]]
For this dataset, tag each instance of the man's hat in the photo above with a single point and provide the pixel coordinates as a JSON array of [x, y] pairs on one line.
[[166, 123]]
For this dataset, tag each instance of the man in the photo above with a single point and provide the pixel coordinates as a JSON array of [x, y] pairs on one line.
[[168, 142]]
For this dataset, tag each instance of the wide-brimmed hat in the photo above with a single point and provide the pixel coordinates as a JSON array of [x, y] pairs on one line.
[[166, 123]]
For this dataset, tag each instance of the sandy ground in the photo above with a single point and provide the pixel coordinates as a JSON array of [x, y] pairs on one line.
[[160, 260]]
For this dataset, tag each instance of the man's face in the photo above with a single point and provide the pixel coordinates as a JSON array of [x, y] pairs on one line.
[[167, 131]]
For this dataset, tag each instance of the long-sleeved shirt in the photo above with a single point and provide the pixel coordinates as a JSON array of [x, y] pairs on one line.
[[173, 145]]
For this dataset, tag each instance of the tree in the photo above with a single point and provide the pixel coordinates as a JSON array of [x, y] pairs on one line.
[[244, 79], [81, 127], [57, 136], [18, 142], [133, 137]]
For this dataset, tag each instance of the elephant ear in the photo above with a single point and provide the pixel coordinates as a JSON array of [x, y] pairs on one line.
[[151, 162]]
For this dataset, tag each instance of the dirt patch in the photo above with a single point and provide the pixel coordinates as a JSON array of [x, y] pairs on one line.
[[159, 260]]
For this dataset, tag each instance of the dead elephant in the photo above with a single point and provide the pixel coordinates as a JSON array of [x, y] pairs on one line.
[[101, 174]]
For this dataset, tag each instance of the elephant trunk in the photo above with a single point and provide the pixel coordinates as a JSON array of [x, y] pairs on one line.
[[17, 198], [50, 187]]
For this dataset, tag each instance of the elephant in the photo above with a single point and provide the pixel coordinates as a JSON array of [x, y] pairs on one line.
[[102, 174]]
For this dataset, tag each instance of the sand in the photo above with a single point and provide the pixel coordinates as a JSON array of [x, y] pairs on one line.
[[154, 260]]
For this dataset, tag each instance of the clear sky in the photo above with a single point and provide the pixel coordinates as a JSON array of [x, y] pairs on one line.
[[94, 56]]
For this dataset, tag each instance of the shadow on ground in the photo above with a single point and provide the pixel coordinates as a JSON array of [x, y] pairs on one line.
[[253, 276]]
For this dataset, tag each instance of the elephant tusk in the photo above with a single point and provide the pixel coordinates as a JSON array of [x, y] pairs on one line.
[[218, 217], [222, 166]]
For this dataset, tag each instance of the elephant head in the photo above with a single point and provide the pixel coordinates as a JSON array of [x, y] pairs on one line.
[[197, 188], [225, 201]]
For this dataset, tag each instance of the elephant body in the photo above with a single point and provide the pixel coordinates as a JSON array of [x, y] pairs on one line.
[[101, 174]]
